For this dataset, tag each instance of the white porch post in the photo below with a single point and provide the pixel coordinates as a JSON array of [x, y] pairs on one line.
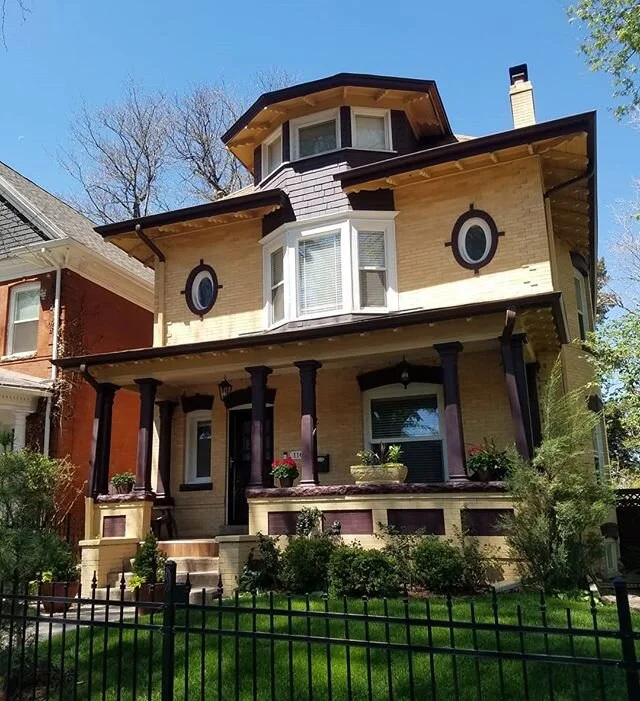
[[20, 428]]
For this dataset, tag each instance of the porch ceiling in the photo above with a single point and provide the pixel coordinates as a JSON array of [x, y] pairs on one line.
[[206, 363]]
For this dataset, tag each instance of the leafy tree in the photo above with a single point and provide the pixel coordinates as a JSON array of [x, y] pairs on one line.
[[559, 500], [606, 298], [612, 45]]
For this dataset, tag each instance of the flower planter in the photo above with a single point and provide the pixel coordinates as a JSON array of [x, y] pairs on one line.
[[394, 473], [68, 590], [149, 593], [286, 481], [123, 488]]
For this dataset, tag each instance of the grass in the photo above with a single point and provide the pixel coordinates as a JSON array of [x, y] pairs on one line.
[[246, 668]]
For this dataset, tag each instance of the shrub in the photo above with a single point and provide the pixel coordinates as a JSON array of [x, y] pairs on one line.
[[148, 565], [354, 571], [309, 521], [439, 565], [400, 548], [305, 564], [61, 561], [262, 573]]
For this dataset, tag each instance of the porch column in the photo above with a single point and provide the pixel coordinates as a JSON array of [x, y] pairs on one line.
[[518, 342], [308, 372], [448, 353], [166, 408], [514, 399], [148, 387], [534, 402], [20, 428], [259, 375], [98, 482]]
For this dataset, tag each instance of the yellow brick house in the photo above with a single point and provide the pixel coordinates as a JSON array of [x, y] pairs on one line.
[[383, 280]]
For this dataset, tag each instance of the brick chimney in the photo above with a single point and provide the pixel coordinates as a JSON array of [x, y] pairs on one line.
[[521, 96]]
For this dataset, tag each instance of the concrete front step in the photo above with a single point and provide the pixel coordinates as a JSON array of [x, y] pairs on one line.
[[198, 580], [196, 564], [195, 597], [194, 547]]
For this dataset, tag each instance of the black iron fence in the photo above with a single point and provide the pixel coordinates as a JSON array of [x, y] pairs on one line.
[[58, 646]]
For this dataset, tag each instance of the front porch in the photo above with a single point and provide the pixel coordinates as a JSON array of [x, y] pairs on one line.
[[205, 449]]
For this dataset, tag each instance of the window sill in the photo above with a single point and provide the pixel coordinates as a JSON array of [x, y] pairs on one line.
[[196, 487], [18, 356]]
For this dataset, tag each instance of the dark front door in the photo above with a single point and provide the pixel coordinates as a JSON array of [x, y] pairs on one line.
[[240, 461]]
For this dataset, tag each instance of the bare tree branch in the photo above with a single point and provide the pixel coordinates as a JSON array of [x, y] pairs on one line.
[[23, 10]]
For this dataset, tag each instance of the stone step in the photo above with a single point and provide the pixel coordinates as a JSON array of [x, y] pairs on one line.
[[193, 547], [234, 530], [198, 580], [195, 597], [196, 564]]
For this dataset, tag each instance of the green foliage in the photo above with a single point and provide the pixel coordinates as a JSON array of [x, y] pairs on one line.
[[386, 455], [354, 571], [36, 494], [149, 561], [6, 439], [61, 562], [487, 459], [123, 479], [612, 45], [309, 521], [439, 565], [305, 564], [558, 498], [400, 548], [262, 573], [135, 581]]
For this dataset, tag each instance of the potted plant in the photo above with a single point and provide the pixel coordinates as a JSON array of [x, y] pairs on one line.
[[485, 462], [147, 578], [123, 482], [61, 577], [285, 469], [380, 467]]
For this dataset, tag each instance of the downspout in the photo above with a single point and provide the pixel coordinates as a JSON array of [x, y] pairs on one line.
[[54, 356]]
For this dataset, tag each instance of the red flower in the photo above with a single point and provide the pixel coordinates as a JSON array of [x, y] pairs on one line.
[[475, 449]]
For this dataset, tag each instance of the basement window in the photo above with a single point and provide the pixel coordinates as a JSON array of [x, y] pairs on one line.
[[24, 312]]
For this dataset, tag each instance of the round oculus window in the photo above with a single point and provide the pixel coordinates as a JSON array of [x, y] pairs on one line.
[[474, 239], [201, 290]]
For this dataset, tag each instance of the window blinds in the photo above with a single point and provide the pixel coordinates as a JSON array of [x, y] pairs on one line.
[[319, 274], [372, 265]]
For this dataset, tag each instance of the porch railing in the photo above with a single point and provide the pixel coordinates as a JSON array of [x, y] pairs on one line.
[[282, 647]]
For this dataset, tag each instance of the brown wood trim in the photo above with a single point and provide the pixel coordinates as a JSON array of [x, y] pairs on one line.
[[580, 263], [352, 521], [479, 522], [456, 457], [308, 370], [386, 321], [413, 520], [188, 288], [148, 388], [114, 526], [518, 342], [196, 487], [381, 200], [259, 375], [534, 402], [196, 402], [280, 216], [282, 522], [257, 164], [166, 408], [391, 376], [286, 142], [243, 396], [346, 138], [340, 490]]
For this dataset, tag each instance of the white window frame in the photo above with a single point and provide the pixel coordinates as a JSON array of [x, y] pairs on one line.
[[582, 300], [190, 456], [372, 112], [296, 124], [265, 152], [287, 237], [15, 291], [272, 286], [600, 450], [413, 390]]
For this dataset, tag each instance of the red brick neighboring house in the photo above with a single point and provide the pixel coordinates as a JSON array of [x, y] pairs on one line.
[[63, 291]]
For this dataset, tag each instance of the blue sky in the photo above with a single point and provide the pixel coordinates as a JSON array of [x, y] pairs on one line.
[[69, 50]]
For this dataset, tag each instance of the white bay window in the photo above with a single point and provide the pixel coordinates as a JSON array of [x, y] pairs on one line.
[[334, 265]]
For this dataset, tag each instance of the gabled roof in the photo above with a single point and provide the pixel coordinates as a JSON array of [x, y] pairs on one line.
[[29, 214], [18, 380]]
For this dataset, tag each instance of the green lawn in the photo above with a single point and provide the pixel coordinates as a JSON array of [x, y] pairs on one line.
[[305, 670]]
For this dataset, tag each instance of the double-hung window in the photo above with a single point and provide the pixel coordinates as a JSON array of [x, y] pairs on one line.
[[582, 304], [24, 311], [372, 269], [277, 286], [272, 153], [198, 447], [319, 274], [371, 129], [315, 134]]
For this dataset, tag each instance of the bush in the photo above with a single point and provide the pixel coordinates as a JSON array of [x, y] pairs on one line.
[[61, 561], [439, 565], [305, 564], [148, 565], [261, 573], [354, 571]]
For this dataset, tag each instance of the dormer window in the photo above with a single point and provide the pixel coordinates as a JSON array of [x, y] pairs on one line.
[[341, 264], [315, 134], [371, 129], [272, 152]]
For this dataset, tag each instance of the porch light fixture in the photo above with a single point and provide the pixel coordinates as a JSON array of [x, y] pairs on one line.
[[224, 389], [403, 371]]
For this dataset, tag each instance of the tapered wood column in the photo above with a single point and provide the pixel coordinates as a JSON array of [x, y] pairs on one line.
[[166, 408], [448, 353], [514, 399], [308, 422], [518, 342], [259, 375], [148, 388], [98, 482]]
